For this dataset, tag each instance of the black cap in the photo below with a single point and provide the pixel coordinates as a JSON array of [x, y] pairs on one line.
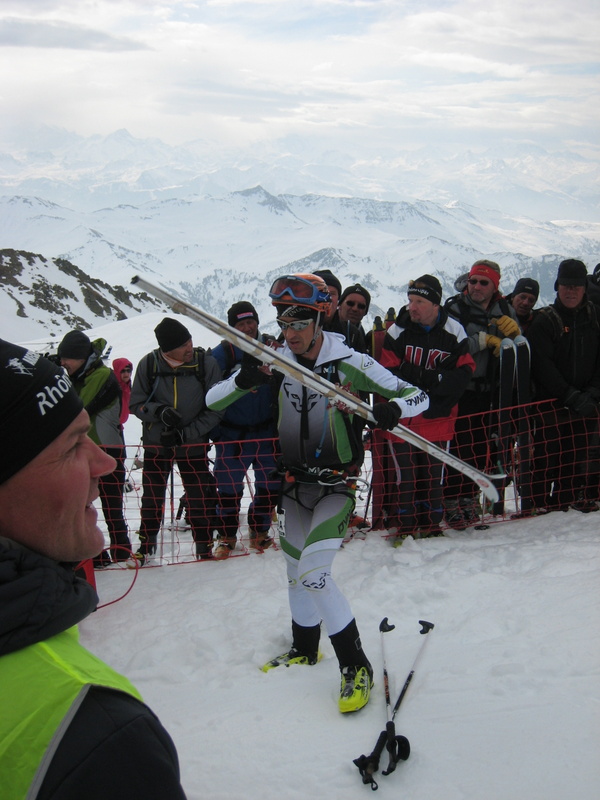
[[571, 272], [171, 334], [241, 311], [356, 289], [426, 286], [75, 345], [528, 285], [37, 403], [329, 278]]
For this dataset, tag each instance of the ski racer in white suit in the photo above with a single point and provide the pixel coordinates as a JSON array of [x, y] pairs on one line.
[[321, 459]]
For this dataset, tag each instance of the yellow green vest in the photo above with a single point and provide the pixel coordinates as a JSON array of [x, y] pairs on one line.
[[42, 687]]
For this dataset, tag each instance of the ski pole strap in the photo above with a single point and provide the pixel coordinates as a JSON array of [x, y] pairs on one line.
[[367, 765], [398, 748]]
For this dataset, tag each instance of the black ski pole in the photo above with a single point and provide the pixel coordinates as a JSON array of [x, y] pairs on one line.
[[368, 765], [398, 746]]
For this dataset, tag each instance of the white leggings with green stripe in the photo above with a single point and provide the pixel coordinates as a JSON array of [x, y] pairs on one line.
[[312, 525]]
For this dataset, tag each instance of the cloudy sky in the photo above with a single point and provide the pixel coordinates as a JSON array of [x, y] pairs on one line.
[[239, 71]]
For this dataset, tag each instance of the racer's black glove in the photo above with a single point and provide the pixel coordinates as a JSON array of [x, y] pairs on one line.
[[386, 415]]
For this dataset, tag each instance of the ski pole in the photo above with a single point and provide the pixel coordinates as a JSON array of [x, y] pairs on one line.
[[397, 746], [368, 765]]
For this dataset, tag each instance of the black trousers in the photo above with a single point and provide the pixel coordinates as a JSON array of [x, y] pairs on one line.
[[198, 482], [111, 497]]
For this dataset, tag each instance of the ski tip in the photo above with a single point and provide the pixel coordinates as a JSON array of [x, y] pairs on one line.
[[426, 626], [385, 626], [135, 279]]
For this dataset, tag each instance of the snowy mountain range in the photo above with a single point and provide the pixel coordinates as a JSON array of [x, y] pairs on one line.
[[216, 247], [91, 172]]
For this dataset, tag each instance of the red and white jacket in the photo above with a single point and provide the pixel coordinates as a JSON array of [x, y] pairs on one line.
[[438, 361]]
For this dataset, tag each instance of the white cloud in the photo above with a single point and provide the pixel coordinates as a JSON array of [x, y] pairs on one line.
[[241, 71]]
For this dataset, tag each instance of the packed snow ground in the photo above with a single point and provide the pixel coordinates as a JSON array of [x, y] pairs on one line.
[[504, 704]]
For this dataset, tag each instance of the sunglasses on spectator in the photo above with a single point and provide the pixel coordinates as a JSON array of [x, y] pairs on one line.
[[127, 369], [297, 325], [481, 281], [351, 304]]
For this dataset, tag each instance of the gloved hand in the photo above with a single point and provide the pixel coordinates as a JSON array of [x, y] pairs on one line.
[[581, 403], [493, 343], [419, 376], [170, 417], [507, 326], [171, 436], [250, 375], [386, 415]]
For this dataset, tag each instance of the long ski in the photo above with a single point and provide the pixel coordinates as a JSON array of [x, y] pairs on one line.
[[524, 438], [502, 437], [324, 387]]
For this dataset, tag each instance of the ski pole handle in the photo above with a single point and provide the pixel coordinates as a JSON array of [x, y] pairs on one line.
[[367, 765]]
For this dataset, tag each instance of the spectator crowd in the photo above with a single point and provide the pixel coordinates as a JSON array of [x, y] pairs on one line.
[[448, 349], [439, 368]]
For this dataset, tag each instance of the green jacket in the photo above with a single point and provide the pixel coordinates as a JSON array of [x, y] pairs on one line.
[[98, 387], [43, 685]]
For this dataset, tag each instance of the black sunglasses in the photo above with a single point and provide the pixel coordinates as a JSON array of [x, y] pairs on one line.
[[352, 303], [127, 369], [481, 281]]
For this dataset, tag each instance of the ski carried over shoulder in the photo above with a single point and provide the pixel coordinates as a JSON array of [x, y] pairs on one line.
[[279, 362]]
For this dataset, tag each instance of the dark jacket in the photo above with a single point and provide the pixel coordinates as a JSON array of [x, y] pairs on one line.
[[565, 356], [353, 335], [114, 746], [255, 411], [476, 320], [97, 386], [184, 388], [435, 359]]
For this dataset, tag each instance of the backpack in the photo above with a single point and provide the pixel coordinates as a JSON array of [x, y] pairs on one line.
[[154, 373], [557, 323]]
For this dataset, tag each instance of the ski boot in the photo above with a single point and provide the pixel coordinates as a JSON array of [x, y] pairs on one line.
[[355, 688], [260, 540], [293, 656]]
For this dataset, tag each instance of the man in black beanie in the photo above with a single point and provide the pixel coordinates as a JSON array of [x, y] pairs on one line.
[[354, 305], [429, 349], [565, 367], [100, 392], [354, 336], [593, 286], [247, 440], [69, 722], [168, 395], [523, 298]]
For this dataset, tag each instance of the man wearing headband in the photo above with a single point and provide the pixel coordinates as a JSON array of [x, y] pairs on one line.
[[487, 318], [69, 723], [428, 348], [321, 458]]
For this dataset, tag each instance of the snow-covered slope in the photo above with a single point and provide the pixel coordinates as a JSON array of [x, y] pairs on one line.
[[215, 250], [502, 705]]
